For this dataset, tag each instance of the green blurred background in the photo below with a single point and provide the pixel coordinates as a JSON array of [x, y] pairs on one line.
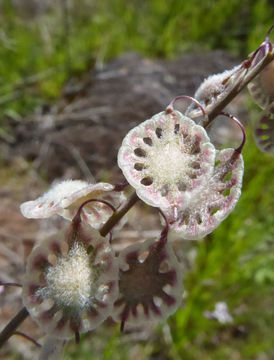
[[67, 36], [235, 264]]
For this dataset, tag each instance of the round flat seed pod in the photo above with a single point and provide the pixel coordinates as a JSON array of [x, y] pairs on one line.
[[214, 200], [150, 285], [165, 159]]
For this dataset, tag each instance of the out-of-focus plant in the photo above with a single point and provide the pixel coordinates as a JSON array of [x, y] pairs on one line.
[[40, 50]]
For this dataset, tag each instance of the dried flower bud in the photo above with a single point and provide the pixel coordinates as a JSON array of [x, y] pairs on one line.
[[214, 88], [65, 198], [71, 282], [166, 158], [151, 286]]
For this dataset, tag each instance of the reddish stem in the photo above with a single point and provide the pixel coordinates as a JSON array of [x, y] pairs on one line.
[[240, 148], [19, 333]]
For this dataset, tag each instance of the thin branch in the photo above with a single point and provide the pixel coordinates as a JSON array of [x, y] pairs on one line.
[[9, 330]]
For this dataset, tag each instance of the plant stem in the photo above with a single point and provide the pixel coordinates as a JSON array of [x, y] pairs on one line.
[[9, 330], [113, 220]]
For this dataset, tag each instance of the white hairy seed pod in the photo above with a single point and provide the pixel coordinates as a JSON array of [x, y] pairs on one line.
[[151, 286], [261, 88], [214, 88], [263, 130], [166, 158], [71, 282], [65, 198], [214, 199]]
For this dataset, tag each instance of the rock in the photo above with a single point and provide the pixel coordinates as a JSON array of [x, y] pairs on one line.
[[86, 127]]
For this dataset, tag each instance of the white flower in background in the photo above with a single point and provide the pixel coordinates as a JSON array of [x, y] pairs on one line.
[[220, 313], [71, 282], [66, 197]]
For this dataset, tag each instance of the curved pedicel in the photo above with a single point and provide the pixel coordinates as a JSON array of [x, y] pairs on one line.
[[170, 107], [229, 116]]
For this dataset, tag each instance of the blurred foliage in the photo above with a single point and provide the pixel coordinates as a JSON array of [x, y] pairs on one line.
[[234, 264], [61, 40]]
